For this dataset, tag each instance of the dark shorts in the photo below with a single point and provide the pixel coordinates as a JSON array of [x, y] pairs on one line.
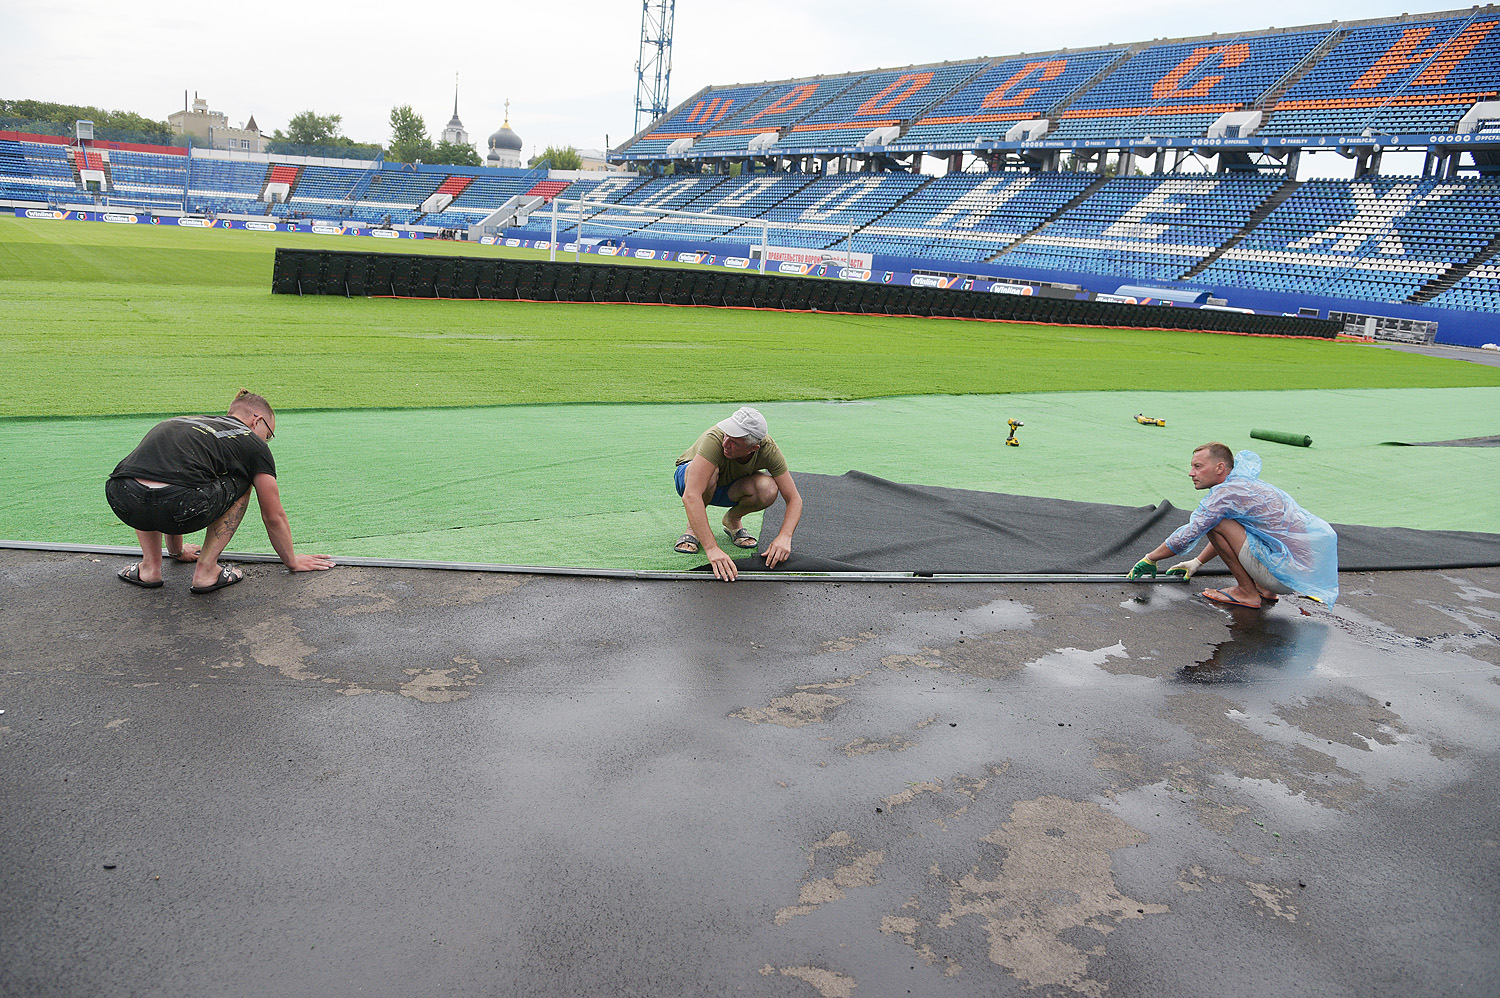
[[171, 509], [721, 494]]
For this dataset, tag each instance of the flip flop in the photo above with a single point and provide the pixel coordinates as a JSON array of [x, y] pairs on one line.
[[741, 538], [1220, 596], [132, 575], [227, 577], [687, 544]]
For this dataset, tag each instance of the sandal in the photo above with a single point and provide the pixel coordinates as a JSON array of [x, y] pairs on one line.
[[1220, 596], [132, 575], [687, 544], [741, 538], [227, 577]]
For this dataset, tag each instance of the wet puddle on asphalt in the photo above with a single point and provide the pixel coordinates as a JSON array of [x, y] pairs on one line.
[[1262, 646]]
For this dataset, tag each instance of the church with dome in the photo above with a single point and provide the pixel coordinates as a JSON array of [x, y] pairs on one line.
[[505, 145]]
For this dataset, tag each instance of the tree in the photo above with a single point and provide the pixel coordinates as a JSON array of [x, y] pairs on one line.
[[64, 115], [565, 158], [454, 154], [409, 141], [312, 129]]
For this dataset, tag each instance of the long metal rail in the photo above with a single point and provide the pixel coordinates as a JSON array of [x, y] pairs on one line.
[[616, 573]]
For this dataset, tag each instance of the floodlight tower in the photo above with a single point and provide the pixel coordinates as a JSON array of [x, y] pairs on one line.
[[653, 69]]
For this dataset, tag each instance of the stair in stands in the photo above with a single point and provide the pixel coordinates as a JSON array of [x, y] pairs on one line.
[[444, 195], [1454, 274], [1086, 85], [82, 159], [1266, 103], [281, 181], [1257, 216], [1078, 198]]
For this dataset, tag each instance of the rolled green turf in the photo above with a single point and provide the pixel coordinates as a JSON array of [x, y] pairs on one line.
[[589, 485], [1280, 437]]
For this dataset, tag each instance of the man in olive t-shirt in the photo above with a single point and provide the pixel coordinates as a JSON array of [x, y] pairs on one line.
[[735, 464]]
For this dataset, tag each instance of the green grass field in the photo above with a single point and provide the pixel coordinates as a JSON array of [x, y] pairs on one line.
[[113, 319], [453, 430]]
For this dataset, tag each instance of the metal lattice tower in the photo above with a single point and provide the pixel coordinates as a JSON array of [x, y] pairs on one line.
[[653, 70]]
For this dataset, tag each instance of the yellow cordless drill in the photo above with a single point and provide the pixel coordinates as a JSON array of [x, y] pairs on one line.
[[1011, 441]]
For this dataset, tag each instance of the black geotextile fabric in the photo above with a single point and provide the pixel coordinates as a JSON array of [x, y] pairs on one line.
[[1465, 442], [859, 523]]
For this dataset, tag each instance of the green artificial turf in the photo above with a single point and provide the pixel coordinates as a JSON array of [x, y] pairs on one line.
[[402, 433], [113, 319], [589, 485]]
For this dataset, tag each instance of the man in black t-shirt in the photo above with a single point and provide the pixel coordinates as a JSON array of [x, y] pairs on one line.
[[195, 473]]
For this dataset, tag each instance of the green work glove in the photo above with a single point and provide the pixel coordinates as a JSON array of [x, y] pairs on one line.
[[1185, 569], [1143, 568]]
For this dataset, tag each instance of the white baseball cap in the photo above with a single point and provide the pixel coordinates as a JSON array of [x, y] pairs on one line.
[[746, 422]]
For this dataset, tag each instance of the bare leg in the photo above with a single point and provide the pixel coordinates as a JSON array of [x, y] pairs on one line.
[[150, 570], [216, 539], [1227, 538], [751, 494]]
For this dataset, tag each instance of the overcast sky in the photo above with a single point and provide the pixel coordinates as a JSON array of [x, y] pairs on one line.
[[567, 67]]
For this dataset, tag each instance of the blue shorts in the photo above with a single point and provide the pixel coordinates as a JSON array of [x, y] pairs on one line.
[[721, 494]]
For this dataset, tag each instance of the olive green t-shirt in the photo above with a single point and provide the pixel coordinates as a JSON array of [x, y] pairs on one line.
[[710, 446]]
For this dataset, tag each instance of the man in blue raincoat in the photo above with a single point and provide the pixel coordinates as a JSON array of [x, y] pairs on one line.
[[1271, 545]]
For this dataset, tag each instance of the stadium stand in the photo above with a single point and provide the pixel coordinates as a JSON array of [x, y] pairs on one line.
[[1145, 227], [876, 101], [1182, 88], [35, 171], [971, 216], [706, 110], [778, 107], [1401, 77], [1378, 239], [823, 213], [1477, 291]]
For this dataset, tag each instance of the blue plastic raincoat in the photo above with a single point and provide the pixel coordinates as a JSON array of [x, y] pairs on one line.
[[1299, 549]]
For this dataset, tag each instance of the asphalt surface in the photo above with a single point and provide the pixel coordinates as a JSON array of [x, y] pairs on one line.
[[397, 782]]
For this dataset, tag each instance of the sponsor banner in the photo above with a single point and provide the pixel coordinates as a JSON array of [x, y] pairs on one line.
[[737, 262], [571, 248], [813, 257], [385, 234], [328, 230], [930, 281], [512, 242], [1117, 299], [1012, 289], [486, 240], [645, 254], [690, 257], [606, 250], [41, 213], [195, 223], [853, 274], [787, 267], [262, 226], [118, 218], [542, 244]]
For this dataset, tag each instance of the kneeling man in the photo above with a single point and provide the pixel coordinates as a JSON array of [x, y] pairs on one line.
[[735, 464], [1271, 545], [194, 473]]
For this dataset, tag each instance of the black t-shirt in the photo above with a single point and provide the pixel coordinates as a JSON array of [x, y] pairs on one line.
[[196, 450]]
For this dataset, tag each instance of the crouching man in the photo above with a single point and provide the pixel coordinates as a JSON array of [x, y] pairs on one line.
[[1271, 545], [735, 464], [195, 473]]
